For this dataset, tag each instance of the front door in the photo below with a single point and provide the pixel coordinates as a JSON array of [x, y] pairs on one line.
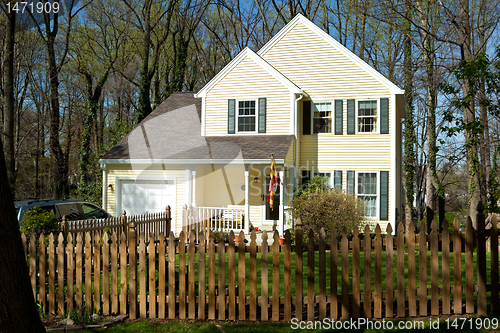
[[272, 214]]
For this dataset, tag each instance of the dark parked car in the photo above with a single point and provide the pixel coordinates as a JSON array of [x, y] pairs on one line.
[[73, 209]]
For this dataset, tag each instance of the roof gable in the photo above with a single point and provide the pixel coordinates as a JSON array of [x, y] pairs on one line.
[[299, 18], [237, 60]]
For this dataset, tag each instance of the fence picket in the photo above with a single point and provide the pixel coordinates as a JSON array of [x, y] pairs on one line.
[[367, 290], [389, 278], [152, 276], [322, 274], [51, 301], [445, 255], [221, 299], [264, 300], [434, 269], [299, 302], [191, 277], [105, 274], [253, 276], [143, 277], [276, 277], [334, 314], [401, 271], [422, 267], [61, 269], [378, 273], [33, 268], [70, 269], [79, 271], [469, 267], [412, 273], [457, 267], [310, 276], [201, 275], [132, 243], [232, 278], [182, 274], [114, 273], [287, 278], [494, 264], [162, 273], [481, 261], [123, 273], [171, 275], [97, 273], [356, 292], [344, 248], [241, 277], [43, 272], [88, 269]]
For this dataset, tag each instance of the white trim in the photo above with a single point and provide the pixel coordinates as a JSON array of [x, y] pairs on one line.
[[333, 42], [356, 111], [203, 130], [393, 174], [261, 62], [182, 162], [237, 116], [282, 185], [247, 200], [188, 186], [377, 183], [193, 175], [104, 187], [332, 117]]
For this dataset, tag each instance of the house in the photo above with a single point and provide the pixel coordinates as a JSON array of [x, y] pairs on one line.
[[304, 98]]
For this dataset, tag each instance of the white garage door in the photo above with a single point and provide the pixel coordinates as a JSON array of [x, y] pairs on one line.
[[145, 197]]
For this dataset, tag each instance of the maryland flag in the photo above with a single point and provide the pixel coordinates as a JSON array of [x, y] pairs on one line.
[[273, 184]]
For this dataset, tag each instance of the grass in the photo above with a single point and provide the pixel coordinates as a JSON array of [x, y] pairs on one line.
[[429, 325]]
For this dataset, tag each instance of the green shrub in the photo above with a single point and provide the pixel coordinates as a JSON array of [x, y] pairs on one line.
[[37, 221], [328, 209]]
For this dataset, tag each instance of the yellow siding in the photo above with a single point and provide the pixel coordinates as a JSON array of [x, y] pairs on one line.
[[126, 171], [248, 80], [319, 69], [223, 186]]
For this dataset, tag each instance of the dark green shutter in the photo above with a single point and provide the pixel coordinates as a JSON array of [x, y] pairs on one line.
[[231, 121], [350, 181], [339, 117], [337, 179], [384, 195], [384, 116], [351, 116], [262, 115], [306, 117]]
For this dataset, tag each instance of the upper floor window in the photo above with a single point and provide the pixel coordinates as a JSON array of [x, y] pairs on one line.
[[322, 118], [367, 116], [247, 118]]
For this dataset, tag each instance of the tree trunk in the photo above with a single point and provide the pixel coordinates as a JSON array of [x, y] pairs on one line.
[[8, 100], [409, 143], [144, 106], [18, 312]]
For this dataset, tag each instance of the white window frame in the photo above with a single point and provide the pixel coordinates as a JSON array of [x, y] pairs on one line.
[[313, 173], [377, 124], [377, 178], [237, 114], [332, 117]]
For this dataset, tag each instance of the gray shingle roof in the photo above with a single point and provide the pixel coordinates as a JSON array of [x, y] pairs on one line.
[[173, 131]]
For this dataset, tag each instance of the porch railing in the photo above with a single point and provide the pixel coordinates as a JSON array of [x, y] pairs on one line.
[[213, 218]]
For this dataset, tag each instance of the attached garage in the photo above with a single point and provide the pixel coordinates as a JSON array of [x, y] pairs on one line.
[[146, 197]]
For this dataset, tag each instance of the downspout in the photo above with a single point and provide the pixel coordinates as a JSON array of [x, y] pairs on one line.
[[296, 131], [105, 187]]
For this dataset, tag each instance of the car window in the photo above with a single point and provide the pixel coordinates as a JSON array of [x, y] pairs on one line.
[[70, 210], [50, 208], [93, 212]]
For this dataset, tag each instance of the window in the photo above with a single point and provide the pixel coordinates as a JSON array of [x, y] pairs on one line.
[[367, 116], [322, 118], [308, 175], [92, 212], [246, 116], [70, 210], [367, 191]]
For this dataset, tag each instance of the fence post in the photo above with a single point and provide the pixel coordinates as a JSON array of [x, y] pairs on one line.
[[168, 220], [481, 256], [132, 244]]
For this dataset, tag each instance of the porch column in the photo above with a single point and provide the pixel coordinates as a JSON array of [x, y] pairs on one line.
[[194, 186], [188, 186], [247, 204], [105, 187], [281, 173]]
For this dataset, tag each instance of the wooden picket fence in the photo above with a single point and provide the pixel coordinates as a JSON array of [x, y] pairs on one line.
[[179, 278]]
